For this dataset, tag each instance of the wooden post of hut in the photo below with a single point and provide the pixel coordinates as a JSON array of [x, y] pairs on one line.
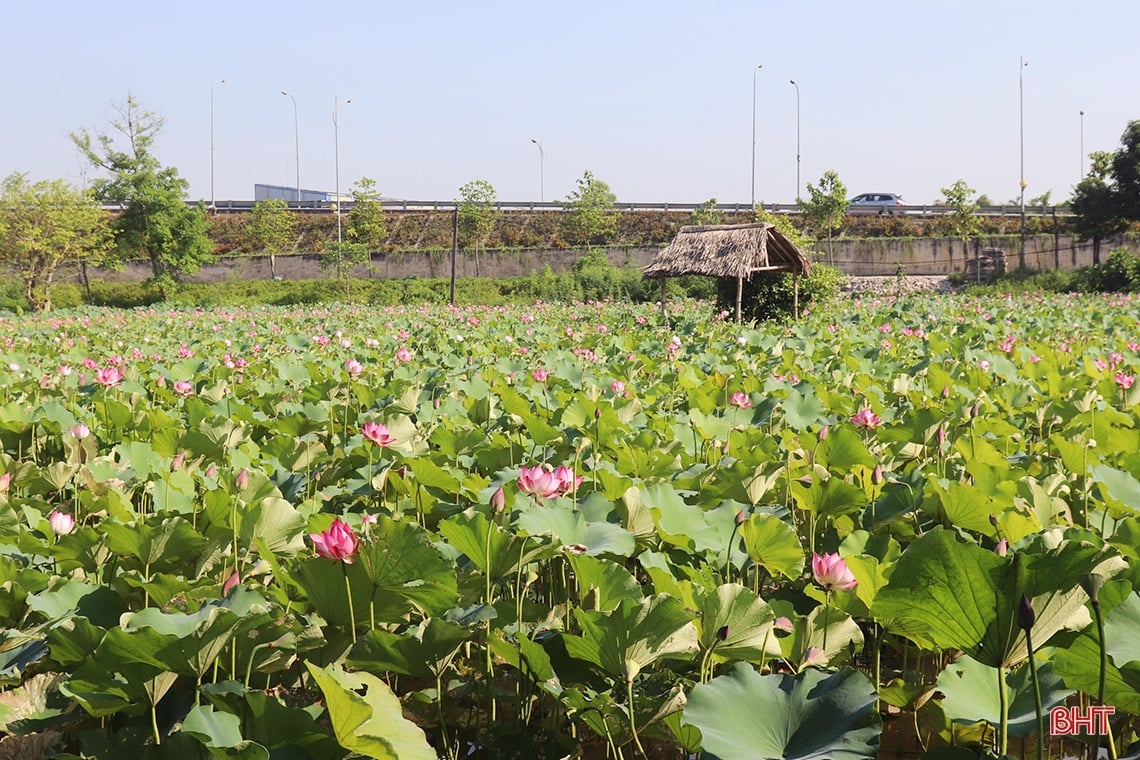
[[739, 295]]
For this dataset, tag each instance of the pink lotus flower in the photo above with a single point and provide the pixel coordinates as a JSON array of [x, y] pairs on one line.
[[109, 377], [575, 548], [369, 519], [618, 387], [377, 433], [814, 656], [242, 479], [403, 355], [1125, 381], [783, 624], [5, 481], [80, 431], [741, 400], [1002, 548], [568, 483], [338, 542], [61, 523], [866, 419], [231, 582], [498, 500], [183, 388], [540, 375], [831, 572], [540, 482], [353, 367]]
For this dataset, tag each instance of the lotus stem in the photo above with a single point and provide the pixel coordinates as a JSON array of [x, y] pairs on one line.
[[154, 723], [348, 592], [1041, 736], [1003, 699], [1099, 617], [632, 718]]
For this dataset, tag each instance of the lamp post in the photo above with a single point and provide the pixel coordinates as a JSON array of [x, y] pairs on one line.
[[1021, 117], [541, 179], [296, 144], [212, 86], [758, 67], [336, 153], [797, 139], [1082, 144]]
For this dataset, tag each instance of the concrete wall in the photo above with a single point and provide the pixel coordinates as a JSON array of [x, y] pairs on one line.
[[866, 257]]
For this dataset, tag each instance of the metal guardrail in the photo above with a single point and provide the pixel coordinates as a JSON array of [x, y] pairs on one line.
[[326, 207]]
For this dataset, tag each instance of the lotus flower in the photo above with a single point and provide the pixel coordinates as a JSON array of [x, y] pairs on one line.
[[567, 482], [403, 355], [831, 572], [61, 523], [498, 500], [741, 400], [866, 419], [353, 367], [540, 482], [338, 542], [783, 624], [377, 433], [540, 375], [231, 582], [1125, 381], [109, 377], [5, 481], [80, 431], [814, 656]]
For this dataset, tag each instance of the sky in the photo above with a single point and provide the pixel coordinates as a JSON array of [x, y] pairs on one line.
[[654, 98]]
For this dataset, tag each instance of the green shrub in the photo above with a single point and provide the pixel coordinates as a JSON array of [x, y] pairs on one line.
[[773, 297]]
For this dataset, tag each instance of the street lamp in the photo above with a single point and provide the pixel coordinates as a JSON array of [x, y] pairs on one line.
[[212, 86], [1021, 115], [758, 67], [1082, 144], [541, 179], [797, 139], [296, 144], [336, 147]]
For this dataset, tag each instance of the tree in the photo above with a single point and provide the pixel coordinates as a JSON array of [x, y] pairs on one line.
[[367, 232], [366, 223], [590, 217], [477, 214], [963, 219], [1040, 200], [826, 206], [45, 225], [707, 213], [155, 222], [1097, 204], [271, 228]]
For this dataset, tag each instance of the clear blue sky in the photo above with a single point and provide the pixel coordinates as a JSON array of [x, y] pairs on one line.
[[655, 98]]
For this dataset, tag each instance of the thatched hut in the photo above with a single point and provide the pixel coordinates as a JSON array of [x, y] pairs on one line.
[[735, 251]]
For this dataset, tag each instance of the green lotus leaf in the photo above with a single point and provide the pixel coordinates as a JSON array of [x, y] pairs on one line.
[[276, 522], [399, 559], [773, 544], [158, 544], [829, 629], [424, 651], [99, 604], [220, 732], [368, 718], [604, 582], [1121, 486], [679, 523], [569, 525], [737, 624], [634, 635], [842, 450], [829, 498], [952, 594], [811, 716], [971, 694], [803, 410], [964, 506], [490, 548]]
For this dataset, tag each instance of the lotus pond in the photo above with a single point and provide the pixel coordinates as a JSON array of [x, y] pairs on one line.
[[896, 527]]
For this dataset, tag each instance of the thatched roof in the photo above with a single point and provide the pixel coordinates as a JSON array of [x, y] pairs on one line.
[[728, 250]]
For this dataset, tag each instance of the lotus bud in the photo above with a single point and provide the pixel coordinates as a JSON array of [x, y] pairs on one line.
[[974, 412], [630, 670], [722, 633], [940, 436], [1026, 616], [5, 481], [242, 479], [1002, 548], [212, 471], [597, 412], [783, 624], [993, 519], [178, 461], [877, 474], [498, 500], [231, 583], [741, 517], [61, 523], [945, 391], [823, 431]]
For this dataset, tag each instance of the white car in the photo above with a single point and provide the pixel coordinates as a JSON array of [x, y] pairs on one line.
[[877, 203]]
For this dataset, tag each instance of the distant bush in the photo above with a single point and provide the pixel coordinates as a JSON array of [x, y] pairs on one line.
[[773, 297], [1119, 273]]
